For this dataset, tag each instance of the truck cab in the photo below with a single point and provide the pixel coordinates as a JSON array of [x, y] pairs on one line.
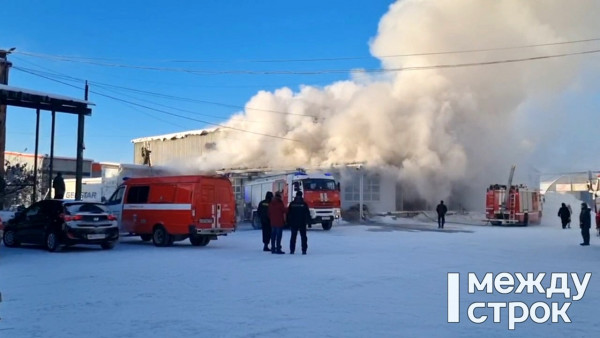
[[320, 192]]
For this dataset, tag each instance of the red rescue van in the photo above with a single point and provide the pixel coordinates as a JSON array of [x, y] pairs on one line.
[[173, 208]]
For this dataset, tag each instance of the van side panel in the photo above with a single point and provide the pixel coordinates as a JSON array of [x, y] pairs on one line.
[[183, 194], [162, 193]]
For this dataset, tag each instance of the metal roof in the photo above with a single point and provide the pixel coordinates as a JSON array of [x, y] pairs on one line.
[[20, 97], [174, 136]]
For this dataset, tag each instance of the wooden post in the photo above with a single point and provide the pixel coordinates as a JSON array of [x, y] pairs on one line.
[[51, 168], [4, 66], [34, 196]]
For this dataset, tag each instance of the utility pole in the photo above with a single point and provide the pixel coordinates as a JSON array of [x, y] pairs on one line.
[[4, 66], [79, 163]]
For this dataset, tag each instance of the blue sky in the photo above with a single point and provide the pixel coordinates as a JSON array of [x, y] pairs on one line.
[[208, 35]]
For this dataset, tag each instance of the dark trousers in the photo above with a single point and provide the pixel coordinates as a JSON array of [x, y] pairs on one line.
[[266, 233], [276, 234], [304, 240], [585, 233], [441, 221]]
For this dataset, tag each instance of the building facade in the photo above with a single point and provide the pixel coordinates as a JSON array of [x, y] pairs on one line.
[[65, 165], [381, 192]]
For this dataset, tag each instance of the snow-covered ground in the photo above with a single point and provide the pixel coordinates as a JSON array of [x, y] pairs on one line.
[[386, 280]]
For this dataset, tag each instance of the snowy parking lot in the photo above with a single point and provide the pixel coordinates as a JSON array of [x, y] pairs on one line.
[[356, 281]]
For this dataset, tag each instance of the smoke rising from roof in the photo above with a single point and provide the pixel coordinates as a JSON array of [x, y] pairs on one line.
[[442, 131]]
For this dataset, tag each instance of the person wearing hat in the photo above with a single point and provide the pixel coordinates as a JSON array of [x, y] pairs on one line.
[[585, 222], [298, 217], [277, 219], [265, 224]]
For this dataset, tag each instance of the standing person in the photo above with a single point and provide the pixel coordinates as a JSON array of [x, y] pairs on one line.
[[570, 215], [441, 212], [565, 215], [585, 222], [59, 186], [265, 224], [277, 218], [298, 217]]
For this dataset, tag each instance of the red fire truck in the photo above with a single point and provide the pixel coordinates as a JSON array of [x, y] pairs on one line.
[[321, 193], [513, 204], [517, 205]]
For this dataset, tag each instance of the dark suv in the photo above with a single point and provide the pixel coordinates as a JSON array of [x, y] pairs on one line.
[[53, 223]]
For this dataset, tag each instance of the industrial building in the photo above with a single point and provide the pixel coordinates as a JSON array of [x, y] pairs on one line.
[[381, 192]]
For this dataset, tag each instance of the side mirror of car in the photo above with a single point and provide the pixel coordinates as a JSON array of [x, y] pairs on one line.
[[103, 199]]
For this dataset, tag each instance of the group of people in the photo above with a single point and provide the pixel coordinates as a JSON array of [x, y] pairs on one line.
[[274, 215], [585, 220]]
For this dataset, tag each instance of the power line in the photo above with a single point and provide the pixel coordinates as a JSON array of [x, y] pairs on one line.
[[157, 104], [316, 59], [203, 101], [172, 97], [193, 119], [332, 71], [166, 112]]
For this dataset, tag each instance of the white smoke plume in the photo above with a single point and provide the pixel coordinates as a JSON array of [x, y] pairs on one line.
[[443, 131]]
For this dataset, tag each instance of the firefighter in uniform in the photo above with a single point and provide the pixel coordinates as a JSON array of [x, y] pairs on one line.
[[298, 217], [265, 223]]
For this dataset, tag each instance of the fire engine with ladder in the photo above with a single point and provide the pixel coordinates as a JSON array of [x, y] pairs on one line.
[[510, 204], [320, 191]]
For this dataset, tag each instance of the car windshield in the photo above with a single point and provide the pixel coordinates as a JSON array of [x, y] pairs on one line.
[[85, 207], [318, 184]]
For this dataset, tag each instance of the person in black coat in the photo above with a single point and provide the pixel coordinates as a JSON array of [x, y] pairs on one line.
[[298, 217], [59, 186], [441, 210], [565, 215], [585, 222], [263, 214]]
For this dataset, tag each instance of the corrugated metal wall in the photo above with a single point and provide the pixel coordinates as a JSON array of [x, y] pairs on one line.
[[166, 152]]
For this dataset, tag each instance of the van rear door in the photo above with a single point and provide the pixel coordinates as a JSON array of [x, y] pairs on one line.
[[225, 204]]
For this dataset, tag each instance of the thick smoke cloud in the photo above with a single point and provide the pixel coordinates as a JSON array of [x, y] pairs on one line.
[[445, 131]]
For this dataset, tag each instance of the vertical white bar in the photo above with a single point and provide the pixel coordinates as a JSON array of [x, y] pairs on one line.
[[453, 297]]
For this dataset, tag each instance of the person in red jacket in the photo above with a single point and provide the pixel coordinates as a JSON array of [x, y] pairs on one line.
[[277, 218]]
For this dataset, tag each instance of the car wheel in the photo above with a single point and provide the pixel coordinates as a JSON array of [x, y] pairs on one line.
[[107, 245], [160, 237], [327, 225], [52, 242], [146, 238], [10, 239], [199, 240]]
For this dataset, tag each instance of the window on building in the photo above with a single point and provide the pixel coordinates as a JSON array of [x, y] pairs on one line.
[[237, 188], [371, 189]]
